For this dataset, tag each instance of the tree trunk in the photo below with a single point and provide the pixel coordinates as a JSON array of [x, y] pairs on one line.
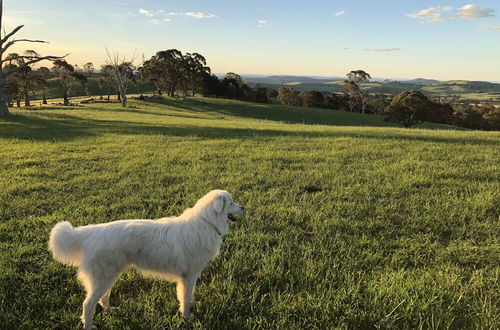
[[118, 97], [4, 109], [44, 99], [65, 98], [124, 98], [18, 102], [26, 98]]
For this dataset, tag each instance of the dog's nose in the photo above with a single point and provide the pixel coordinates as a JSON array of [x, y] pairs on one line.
[[242, 208]]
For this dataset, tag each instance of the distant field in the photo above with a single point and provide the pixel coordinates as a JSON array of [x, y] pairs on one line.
[[354, 223]]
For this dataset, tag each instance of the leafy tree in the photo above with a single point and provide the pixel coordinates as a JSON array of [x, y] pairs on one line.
[[353, 87], [211, 86], [352, 92], [235, 87], [312, 99], [333, 101], [155, 72], [12, 90], [6, 69], [171, 70], [409, 108], [89, 68], [194, 68], [105, 80], [492, 118], [259, 94], [66, 75], [44, 74], [27, 78], [287, 96]]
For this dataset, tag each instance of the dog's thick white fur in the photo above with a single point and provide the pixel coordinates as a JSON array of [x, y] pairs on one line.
[[175, 248]]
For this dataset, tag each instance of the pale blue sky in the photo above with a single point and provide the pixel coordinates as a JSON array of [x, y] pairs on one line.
[[387, 38]]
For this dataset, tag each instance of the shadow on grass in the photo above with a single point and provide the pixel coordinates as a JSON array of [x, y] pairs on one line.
[[271, 112], [61, 127]]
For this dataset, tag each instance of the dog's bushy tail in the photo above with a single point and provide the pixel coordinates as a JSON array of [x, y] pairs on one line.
[[65, 243]]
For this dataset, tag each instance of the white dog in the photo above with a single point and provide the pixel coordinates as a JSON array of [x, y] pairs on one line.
[[176, 249]]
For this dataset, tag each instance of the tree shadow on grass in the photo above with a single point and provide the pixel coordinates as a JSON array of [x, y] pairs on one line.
[[62, 127], [273, 112]]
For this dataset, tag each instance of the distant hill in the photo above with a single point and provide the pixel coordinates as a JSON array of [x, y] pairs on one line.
[[285, 80], [480, 90], [421, 81]]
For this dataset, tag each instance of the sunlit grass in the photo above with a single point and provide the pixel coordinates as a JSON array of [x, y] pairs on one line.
[[345, 226]]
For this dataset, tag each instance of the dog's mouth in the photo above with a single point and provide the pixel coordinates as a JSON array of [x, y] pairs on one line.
[[232, 217]]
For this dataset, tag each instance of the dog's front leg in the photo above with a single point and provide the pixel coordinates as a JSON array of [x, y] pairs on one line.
[[185, 293]]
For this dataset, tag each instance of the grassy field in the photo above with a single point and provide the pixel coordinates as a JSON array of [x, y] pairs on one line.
[[350, 224]]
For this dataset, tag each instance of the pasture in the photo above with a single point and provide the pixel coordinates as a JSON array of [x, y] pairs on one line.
[[354, 223]]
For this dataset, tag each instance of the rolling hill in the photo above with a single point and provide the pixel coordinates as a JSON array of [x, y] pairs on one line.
[[468, 89]]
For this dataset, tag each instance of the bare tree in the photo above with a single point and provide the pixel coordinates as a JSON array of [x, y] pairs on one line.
[[122, 73], [5, 43]]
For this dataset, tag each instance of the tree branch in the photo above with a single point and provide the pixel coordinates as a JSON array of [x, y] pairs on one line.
[[4, 39], [10, 43], [17, 57], [36, 60]]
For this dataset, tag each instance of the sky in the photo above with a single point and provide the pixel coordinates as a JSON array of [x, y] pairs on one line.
[[437, 39]]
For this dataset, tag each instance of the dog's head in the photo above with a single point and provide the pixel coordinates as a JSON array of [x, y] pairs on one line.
[[218, 207]]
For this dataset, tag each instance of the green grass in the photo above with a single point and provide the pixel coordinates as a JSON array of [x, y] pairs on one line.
[[346, 226]]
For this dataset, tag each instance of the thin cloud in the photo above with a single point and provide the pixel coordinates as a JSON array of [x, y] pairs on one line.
[[146, 12], [200, 15], [489, 28], [340, 13], [444, 14], [191, 14], [432, 15], [474, 12], [262, 22], [156, 17], [381, 49]]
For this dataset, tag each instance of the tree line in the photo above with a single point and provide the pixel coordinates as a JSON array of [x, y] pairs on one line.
[[168, 72], [408, 108]]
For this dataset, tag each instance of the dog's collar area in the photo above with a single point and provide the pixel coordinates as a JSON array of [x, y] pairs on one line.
[[212, 225]]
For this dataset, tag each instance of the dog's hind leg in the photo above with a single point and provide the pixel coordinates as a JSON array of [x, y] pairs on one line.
[[104, 302], [97, 284]]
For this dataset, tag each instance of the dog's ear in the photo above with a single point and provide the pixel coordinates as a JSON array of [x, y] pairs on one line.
[[219, 203]]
